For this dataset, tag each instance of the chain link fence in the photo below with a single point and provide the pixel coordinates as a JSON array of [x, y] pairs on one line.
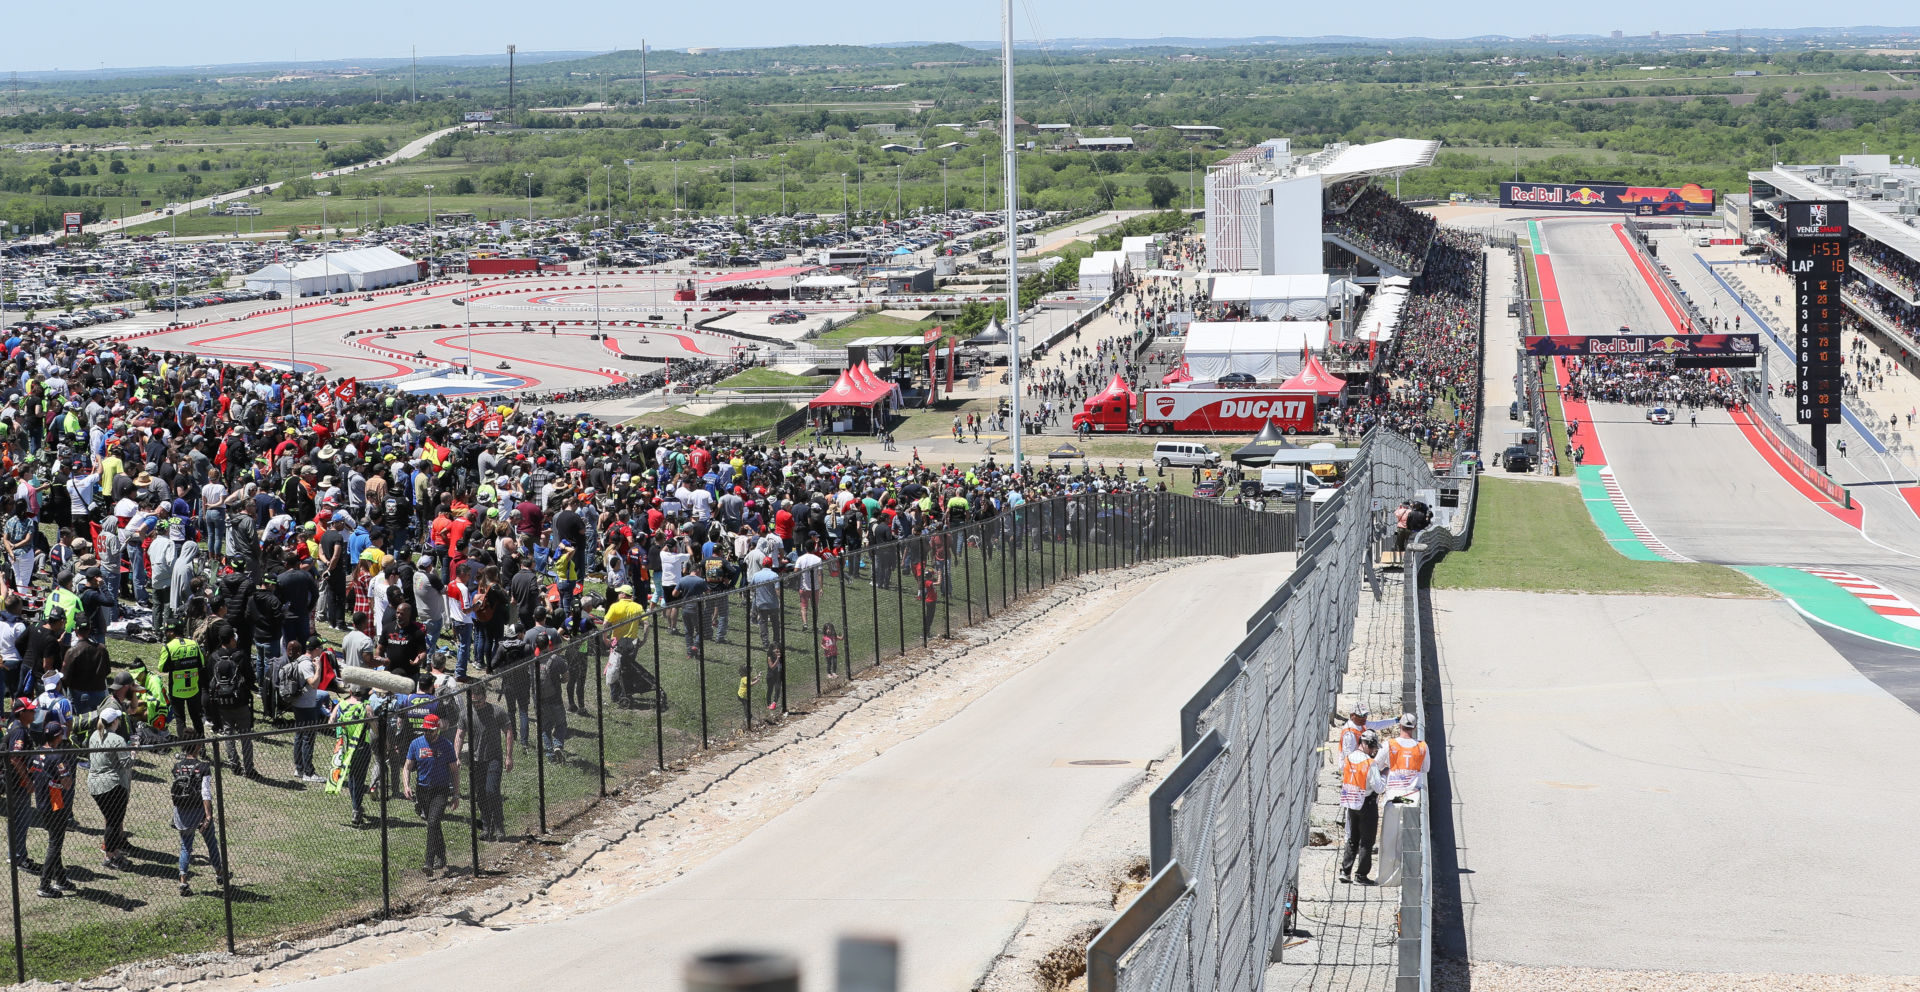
[[1228, 822], [538, 742]]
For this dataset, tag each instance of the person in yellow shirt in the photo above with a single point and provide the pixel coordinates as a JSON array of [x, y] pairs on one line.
[[111, 468]]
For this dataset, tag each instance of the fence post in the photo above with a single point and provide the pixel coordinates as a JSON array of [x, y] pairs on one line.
[[659, 697], [900, 574], [746, 638], [599, 674], [873, 584], [966, 562], [693, 614], [226, 848], [540, 743], [813, 620], [13, 861], [390, 780], [999, 534], [846, 629], [471, 725]]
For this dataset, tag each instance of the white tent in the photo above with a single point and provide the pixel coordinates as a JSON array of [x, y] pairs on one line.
[[1140, 252], [337, 272], [826, 282], [1382, 316], [1266, 350], [1099, 271], [1295, 297]]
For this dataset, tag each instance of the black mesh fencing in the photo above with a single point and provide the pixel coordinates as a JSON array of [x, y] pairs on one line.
[[519, 755]]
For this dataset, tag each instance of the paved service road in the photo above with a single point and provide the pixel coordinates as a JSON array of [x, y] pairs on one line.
[[942, 841], [411, 150]]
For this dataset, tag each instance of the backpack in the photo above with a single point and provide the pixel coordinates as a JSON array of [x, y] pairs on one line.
[[224, 688], [287, 681], [186, 783], [483, 609]]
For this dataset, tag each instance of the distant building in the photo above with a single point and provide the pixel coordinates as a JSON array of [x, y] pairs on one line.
[[1106, 144], [880, 128], [1196, 132], [1053, 128], [909, 149]]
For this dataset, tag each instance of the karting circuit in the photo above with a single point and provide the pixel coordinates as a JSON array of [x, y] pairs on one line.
[[533, 334]]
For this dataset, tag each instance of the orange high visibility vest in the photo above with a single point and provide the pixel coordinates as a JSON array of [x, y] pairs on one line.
[[1406, 755], [1354, 775]]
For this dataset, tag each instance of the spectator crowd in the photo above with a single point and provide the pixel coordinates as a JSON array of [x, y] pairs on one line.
[[196, 548], [1384, 228]]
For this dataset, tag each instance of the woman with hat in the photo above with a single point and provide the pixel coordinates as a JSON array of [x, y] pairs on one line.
[[110, 781]]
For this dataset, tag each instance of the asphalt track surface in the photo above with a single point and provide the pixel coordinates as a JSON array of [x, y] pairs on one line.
[[555, 357], [942, 841], [1708, 492]]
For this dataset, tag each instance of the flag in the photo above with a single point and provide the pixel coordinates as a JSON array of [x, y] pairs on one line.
[[476, 413], [347, 390], [494, 426]]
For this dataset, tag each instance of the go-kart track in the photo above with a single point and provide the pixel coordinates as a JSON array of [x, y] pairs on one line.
[[540, 328]]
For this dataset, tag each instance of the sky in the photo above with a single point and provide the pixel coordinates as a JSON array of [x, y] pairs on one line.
[[43, 36]]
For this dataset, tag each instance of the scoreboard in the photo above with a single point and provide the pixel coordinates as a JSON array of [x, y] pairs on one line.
[[1817, 260]]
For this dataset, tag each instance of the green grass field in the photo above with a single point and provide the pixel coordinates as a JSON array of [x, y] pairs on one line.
[[1537, 537], [870, 325], [759, 378]]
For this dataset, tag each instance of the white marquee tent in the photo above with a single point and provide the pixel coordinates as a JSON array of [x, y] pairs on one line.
[[337, 272], [1100, 270], [1296, 297], [1266, 350]]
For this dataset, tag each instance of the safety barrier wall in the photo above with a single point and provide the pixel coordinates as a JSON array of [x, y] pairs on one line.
[[1227, 824], [1797, 453]]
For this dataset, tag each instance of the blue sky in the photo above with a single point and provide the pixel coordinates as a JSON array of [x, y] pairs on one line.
[[118, 33]]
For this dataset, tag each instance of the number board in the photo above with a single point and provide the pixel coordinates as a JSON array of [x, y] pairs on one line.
[[1817, 259]]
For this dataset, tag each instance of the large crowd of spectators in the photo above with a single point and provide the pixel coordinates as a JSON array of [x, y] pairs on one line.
[[1885, 304], [272, 530], [1646, 382], [1426, 386], [1385, 228], [1891, 266]]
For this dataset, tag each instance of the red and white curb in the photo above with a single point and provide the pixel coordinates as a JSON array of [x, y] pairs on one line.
[[1877, 597], [1632, 519]]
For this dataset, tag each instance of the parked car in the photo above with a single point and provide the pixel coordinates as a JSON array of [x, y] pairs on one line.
[[1659, 415]]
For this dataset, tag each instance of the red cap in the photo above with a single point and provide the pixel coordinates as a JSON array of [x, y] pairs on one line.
[[430, 722]]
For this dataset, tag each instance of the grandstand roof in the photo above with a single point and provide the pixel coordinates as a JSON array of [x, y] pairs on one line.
[[1340, 163]]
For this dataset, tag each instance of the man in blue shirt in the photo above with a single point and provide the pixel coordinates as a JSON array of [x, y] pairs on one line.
[[428, 779]]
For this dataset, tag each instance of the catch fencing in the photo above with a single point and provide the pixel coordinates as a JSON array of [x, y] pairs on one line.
[[1228, 823], [539, 743]]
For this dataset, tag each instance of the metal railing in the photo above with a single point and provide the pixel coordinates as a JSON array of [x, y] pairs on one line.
[[584, 718], [1228, 823]]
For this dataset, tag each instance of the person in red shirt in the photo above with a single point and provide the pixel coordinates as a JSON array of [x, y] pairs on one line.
[[441, 531], [699, 458]]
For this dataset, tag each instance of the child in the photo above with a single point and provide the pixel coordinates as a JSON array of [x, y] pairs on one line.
[[745, 693], [776, 680], [830, 646]]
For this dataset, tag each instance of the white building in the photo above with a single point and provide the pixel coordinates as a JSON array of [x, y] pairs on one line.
[[1102, 271], [1265, 205], [352, 271]]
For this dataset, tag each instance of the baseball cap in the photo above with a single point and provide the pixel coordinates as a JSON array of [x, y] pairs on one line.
[[430, 722], [1406, 720], [109, 714], [1361, 709]]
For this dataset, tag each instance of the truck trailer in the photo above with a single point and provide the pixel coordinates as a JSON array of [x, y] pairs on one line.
[[1197, 408]]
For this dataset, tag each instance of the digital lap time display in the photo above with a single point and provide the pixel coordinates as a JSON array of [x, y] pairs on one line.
[[1817, 260]]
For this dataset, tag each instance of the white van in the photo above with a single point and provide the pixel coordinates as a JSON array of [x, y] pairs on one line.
[[1289, 481], [1183, 454]]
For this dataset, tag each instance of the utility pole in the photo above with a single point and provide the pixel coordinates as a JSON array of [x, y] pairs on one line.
[[512, 112], [413, 77], [643, 72], [1013, 265]]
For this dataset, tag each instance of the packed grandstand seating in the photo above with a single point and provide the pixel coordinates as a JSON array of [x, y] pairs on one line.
[[1884, 303], [1891, 266], [1427, 381], [1384, 228]]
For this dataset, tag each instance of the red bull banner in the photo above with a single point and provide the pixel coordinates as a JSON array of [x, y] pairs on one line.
[[1645, 201], [1645, 345]]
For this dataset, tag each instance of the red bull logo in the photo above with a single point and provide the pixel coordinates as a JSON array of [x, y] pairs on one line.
[[1668, 345], [1586, 197]]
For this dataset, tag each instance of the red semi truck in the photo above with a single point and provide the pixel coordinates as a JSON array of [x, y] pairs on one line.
[[1198, 408]]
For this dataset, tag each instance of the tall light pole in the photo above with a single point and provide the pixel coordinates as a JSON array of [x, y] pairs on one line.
[[846, 219], [896, 192], [429, 189], [946, 201], [512, 114], [1013, 265], [467, 302], [676, 189], [629, 185], [609, 192], [529, 176]]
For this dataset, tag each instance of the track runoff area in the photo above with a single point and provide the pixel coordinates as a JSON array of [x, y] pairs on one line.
[[1669, 784], [534, 333]]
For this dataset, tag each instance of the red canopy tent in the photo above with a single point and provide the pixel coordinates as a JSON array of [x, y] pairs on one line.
[[1314, 378], [1180, 373], [842, 393]]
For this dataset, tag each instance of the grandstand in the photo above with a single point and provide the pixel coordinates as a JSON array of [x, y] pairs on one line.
[[1273, 213], [1882, 294]]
